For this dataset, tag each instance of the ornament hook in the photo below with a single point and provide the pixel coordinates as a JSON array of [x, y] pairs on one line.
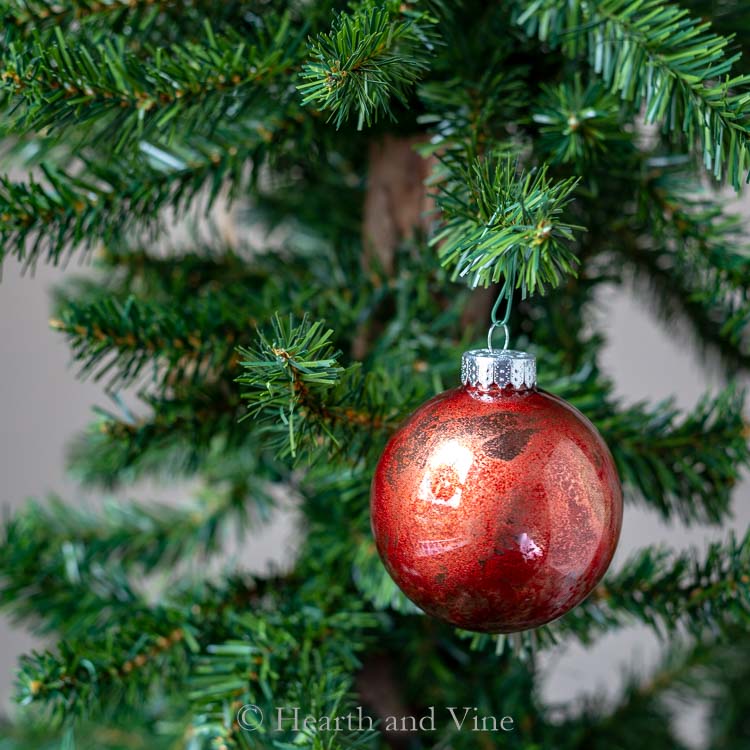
[[506, 293], [504, 326]]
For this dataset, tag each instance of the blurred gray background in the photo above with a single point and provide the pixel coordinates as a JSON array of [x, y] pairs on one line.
[[43, 405]]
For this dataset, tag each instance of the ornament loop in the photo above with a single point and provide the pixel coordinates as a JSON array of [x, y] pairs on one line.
[[504, 326]]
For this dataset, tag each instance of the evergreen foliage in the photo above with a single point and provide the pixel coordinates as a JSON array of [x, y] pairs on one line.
[[271, 371]]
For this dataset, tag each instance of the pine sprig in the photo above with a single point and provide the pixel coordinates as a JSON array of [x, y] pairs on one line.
[[181, 434], [53, 585], [65, 211], [370, 57], [655, 55], [687, 247], [283, 658], [101, 683], [293, 378], [672, 592], [499, 225], [158, 21], [186, 88], [122, 339], [685, 466], [138, 535], [579, 125]]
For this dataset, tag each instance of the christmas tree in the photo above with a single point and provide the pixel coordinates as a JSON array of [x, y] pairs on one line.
[[395, 168]]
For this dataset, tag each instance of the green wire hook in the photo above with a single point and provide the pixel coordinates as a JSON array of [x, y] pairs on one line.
[[506, 294]]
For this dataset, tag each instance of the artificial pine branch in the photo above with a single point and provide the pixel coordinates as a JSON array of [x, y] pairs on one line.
[[69, 210], [685, 467], [688, 248], [135, 657], [120, 339], [717, 316], [178, 275], [109, 678], [191, 87], [182, 434], [142, 315], [729, 18], [155, 21], [370, 56], [500, 225], [53, 584], [173, 438], [656, 55], [294, 379], [670, 593], [580, 125], [68, 570], [285, 656], [136, 535], [184, 646]]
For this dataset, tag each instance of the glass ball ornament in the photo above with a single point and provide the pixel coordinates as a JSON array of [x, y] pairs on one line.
[[496, 506]]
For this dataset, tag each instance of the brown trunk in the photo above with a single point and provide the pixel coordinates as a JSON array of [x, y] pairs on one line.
[[396, 203], [380, 692]]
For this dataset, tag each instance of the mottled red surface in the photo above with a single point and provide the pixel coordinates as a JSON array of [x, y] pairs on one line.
[[497, 511]]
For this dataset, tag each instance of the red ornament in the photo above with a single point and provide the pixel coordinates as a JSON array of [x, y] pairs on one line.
[[496, 506]]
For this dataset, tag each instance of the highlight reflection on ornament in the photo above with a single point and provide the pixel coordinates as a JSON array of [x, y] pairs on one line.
[[446, 472], [496, 506]]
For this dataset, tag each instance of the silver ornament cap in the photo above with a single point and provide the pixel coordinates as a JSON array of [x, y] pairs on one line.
[[484, 368]]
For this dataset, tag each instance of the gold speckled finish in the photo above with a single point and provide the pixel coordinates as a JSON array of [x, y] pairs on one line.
[[496, 510]]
